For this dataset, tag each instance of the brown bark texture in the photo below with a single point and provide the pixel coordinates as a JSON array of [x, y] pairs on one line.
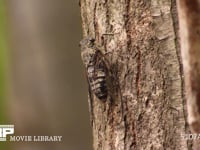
[[143, 49], [189, 16]]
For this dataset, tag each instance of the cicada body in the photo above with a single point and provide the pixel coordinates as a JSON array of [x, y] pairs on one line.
[[96, 68]]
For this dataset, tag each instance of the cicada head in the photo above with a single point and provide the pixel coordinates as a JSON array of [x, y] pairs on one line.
[[87, 42], [87, 50]]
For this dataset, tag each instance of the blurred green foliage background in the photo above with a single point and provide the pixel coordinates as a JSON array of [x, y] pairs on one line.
[[2, 59], [3, 64]]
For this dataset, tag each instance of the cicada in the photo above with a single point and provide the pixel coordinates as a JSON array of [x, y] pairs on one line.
[[97, 68]]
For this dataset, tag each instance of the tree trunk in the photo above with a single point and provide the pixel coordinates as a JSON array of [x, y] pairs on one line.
[[189, 17], [141, 38]]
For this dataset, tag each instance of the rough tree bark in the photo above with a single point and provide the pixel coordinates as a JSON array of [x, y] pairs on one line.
[[189, 32], [144, 50]]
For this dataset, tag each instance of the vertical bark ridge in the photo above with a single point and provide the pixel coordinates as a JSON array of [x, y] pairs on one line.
[[178, 51]]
